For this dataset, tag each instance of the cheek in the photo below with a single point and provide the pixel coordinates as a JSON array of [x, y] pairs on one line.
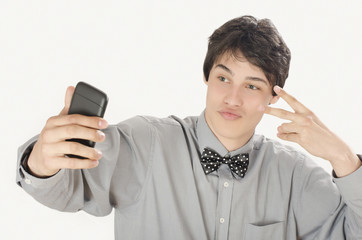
[[255, 102], [254, 107], [214, 94]]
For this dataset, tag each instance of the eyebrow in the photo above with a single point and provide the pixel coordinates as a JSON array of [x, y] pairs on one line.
[[222, 66], [225, 68], [257, 79]]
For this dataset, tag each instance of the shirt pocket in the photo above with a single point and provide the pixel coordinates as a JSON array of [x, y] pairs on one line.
[[260, 232]]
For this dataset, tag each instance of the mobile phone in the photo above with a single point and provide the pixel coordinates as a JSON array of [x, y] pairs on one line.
[[89, 101]]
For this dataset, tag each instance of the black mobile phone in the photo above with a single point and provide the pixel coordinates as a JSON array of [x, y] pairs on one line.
[[89, 101]]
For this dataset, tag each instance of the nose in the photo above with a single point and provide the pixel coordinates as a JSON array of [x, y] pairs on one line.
[[234, 97]]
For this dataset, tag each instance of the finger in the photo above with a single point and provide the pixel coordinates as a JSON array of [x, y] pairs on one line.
[[289, 128], [72, 163], [68, 99], [86, 121], [283, 114], [62, 133], [74, 148], [292, 101], [291, 137]]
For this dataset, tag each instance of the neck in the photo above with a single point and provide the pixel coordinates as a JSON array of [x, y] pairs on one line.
[[232, 144]]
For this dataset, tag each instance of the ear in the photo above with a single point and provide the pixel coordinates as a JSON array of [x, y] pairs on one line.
[[274, 100]]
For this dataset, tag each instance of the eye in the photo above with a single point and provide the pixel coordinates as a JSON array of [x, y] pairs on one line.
[[223, 79], [252, 87]]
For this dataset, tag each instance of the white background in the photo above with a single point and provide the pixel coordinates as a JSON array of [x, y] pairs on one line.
[[148, 56]]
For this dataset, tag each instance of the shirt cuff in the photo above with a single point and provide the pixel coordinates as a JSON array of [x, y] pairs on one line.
[[334, 173], [35, 182], [350, 186]]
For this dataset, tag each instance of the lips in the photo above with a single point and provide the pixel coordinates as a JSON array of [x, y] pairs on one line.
[[229, 115]]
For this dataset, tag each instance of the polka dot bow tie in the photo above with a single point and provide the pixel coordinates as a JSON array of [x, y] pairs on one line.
[[211, 161]]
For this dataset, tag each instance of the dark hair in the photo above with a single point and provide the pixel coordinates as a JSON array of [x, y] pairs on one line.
[[257, 40]]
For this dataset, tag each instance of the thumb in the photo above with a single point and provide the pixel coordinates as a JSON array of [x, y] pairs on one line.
[[68, 98]]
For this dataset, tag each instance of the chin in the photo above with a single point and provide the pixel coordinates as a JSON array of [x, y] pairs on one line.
[[233, 130], [236, 135], [230, 129]]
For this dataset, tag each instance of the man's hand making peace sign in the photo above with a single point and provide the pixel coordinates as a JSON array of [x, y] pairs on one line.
[[309, 132]]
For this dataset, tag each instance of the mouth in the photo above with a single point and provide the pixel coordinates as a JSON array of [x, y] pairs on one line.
[[229, 115]]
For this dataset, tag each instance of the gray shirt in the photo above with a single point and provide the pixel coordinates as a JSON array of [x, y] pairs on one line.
[[151, 175]]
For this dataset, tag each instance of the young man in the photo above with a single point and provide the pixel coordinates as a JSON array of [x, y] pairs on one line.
[[206, 177]]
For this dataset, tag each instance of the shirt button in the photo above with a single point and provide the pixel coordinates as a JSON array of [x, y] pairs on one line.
[[222, 220], [27, 181], [226, 184]]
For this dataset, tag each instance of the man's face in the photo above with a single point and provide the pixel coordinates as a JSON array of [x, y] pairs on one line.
[[236, 93]]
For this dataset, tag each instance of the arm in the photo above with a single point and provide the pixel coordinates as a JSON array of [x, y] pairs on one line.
[[58, 181], [69, 184], [324, 210], [117, 180]]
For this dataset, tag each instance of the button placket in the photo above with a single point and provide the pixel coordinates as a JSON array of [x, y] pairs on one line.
[[224, 201]]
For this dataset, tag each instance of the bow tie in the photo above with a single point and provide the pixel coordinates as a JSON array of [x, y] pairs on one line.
[[211, 161]]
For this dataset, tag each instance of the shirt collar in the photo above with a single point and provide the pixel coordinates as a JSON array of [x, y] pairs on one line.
[[207, 138]]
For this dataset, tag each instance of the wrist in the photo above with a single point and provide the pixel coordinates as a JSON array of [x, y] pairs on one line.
[[28, 163], [31, 169], [348, 163]]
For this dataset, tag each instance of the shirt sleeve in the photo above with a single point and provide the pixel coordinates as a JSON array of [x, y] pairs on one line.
[[127, 148], [327, 207], [350, 188]]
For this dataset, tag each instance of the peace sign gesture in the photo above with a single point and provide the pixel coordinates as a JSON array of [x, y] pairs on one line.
[[309, 132]]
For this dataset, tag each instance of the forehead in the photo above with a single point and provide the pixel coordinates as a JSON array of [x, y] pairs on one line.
[[239, 65]]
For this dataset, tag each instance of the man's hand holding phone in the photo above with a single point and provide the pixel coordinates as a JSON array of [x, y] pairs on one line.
[[53, 149]]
